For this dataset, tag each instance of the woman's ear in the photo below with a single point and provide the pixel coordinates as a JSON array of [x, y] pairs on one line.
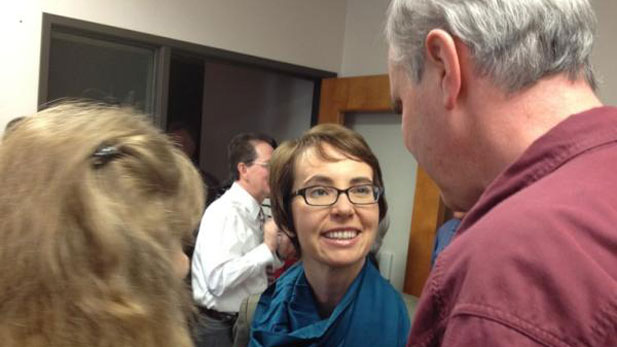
[[442, 54]]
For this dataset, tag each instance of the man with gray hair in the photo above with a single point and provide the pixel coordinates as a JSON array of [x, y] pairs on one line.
[[498, 106]]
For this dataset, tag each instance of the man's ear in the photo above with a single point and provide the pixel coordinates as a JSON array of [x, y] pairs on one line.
[[442, 53], [242, 168]]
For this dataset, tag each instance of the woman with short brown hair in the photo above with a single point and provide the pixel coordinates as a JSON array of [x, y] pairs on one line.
[[327, 193]]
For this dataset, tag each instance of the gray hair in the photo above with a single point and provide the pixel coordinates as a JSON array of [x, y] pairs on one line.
[[513, 42]]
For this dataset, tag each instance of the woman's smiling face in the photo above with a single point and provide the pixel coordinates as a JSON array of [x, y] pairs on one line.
[[340, 235]]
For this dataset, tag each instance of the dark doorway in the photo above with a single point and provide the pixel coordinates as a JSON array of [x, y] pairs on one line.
[[186, 85]]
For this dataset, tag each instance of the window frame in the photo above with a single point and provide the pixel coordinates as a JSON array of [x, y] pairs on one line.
[[164, 47]]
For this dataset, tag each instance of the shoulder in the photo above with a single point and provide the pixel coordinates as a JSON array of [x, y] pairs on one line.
[[388, 315], [389, 297], [531, 265], [373, 275], [228, 206], [278, 293], [288, 279], [507, 245]]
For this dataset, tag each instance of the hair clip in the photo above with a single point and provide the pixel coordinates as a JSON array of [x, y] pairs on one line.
[[104, 153]]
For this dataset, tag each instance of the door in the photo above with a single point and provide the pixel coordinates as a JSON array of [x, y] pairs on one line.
[[341, 96]]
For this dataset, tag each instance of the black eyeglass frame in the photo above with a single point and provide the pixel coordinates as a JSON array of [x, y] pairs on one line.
[[377, 191]]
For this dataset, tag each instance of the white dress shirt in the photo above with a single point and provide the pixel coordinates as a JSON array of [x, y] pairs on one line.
[[230, 257]]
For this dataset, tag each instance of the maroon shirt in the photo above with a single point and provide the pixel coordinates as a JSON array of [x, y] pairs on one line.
[[534, 263]]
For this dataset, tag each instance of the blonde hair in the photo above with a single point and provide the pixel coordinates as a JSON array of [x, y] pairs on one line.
[[87, 241]]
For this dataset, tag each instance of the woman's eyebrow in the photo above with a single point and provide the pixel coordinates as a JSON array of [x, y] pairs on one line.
[[325, 180], [360, 180], [318, 179]]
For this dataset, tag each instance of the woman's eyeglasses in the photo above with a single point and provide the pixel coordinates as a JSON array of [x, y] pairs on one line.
[[363, 194]]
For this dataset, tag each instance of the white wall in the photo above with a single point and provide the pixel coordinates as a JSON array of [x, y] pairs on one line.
[[605, 51], [20, 31], [365, 51], [307, 33], [364, 46], [383, 133]]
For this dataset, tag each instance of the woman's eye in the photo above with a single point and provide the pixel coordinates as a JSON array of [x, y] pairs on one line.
[[363, 190], [318, 192]]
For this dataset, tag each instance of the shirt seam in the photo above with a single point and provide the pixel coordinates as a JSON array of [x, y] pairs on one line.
[[568, 154], [605, 320], [562, 154], [527, 328]]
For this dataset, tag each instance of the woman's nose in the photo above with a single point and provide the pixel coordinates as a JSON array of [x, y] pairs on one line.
[[343, 205]]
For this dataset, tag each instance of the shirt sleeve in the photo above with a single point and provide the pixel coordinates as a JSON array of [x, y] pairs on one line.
[[222, 251], [468, 330]]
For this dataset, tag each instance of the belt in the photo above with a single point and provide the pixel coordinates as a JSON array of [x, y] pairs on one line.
[[214, 314]]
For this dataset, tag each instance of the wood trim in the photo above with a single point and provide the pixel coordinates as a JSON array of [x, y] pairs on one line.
[[372, 94], [351, 94], [427, 212]]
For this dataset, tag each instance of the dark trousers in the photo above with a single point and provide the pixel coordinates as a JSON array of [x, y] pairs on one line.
[[213, 332]]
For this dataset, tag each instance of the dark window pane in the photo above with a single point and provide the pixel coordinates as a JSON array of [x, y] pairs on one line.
[[84, 67]]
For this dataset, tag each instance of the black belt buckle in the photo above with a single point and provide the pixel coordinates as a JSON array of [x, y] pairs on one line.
[[220, 316]]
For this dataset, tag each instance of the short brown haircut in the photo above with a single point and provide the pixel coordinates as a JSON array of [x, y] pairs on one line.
[[92, 201], [282, 167], [241, 149]]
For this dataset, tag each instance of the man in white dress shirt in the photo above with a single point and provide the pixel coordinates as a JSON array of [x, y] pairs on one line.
[[235, 244]]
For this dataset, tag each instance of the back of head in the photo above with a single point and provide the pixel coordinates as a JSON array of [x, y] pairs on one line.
[[12, 124], [183, 137], [513, 42], [241, 149], [94, 202]]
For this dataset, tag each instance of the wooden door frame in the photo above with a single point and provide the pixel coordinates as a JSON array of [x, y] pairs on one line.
[[372, 94]]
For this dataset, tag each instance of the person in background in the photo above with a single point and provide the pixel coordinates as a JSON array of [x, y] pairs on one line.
[[288, 252], [327, 193], [95, 204], [236, 244], [498, 106], [445, 233], [183, 138]]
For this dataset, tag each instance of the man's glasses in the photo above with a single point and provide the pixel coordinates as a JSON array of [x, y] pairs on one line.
[[262, 164], [364, 194]]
